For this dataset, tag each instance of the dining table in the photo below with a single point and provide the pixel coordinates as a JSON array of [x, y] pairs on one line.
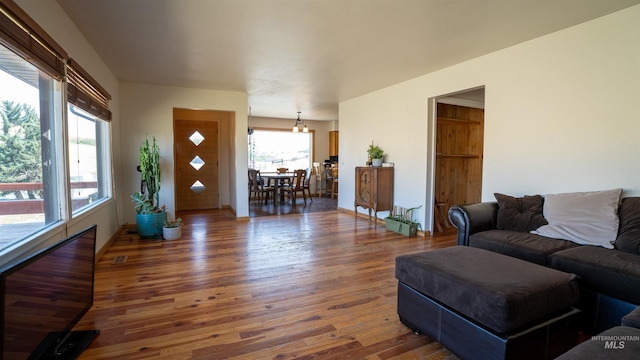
[[279, 180]]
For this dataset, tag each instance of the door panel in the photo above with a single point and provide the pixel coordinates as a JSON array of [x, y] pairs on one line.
[[196, 164], [459, 155]]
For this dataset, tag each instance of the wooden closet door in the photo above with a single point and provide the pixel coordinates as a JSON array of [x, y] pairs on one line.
[[459, 155]]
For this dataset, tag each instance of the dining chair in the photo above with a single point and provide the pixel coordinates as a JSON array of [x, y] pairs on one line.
[[250, 182], [334, 183], [257, 186], [328, 180], [282, 170], [305, 185], [252, 188], [296, 186]]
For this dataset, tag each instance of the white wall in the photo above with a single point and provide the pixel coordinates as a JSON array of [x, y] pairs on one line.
[[562, 113], [321, 130], [148, 109], [55, 22]]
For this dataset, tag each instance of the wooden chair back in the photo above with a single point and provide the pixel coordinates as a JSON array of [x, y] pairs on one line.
[[328, 173], [254, 180], [334, 181], [307, 178], [306, 185], [298, 179]]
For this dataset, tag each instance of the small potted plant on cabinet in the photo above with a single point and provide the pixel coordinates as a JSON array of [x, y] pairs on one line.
[[376, 154], [401, 221], [172, 230], [150, 217]]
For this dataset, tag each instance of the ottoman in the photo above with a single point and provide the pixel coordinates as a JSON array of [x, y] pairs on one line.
[[481, 304]]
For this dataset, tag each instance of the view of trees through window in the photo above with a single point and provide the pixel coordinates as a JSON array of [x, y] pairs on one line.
[[85, 162], [20, 154], [29, 187], [273, 149], [33, 175]]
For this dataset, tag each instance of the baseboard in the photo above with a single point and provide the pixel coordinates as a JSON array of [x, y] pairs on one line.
[[112, 239], [233, 212], [378, 220]]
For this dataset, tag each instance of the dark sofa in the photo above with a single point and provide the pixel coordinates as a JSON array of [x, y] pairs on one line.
[[619, 342], [609, 279]]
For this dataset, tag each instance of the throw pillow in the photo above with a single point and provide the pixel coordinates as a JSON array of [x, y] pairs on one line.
[[519, 214], [629, 232], [587, 218]]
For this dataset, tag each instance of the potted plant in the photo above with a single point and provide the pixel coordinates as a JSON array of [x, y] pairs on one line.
[[376, 154], [150, 217], [172, 230], [401, 221]]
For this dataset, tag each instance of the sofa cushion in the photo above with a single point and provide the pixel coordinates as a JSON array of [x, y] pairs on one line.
[[500, 292], [629, 231], [632, 319], [588, 218], [525, 246], [616, 343], [519, 214], [611, 272]]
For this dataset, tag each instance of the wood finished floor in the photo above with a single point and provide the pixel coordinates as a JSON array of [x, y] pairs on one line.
[[306, 286], [319, 204]]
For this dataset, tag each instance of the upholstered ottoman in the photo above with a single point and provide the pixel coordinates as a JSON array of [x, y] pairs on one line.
[[484, 305]]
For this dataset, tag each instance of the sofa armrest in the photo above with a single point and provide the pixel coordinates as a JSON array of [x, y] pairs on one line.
[[473, 218], [632, 319]]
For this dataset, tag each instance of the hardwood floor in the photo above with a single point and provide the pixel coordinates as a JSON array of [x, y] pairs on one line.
[[308, 286], [319, 204]]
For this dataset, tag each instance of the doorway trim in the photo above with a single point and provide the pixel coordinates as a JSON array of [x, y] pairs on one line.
[[453, 98]]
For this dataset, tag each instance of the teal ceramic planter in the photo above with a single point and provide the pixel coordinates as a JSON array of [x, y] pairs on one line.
[[150, 225]]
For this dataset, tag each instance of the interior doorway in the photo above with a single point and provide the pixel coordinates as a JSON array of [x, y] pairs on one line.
[[459, 151], [196, 158]]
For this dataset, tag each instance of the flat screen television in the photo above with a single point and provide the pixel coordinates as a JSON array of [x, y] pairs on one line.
[[43, 296]]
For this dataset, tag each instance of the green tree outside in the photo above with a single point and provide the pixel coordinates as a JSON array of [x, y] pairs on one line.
[[20, 152]]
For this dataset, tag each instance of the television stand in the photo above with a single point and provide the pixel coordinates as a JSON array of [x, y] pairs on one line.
[[67, 348]]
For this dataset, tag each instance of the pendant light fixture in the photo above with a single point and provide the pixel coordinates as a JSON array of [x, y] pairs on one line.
[[295, 126], [298, 121]]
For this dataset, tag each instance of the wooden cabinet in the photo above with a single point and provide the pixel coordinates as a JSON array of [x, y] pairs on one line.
[[333, 143], [374, 189]]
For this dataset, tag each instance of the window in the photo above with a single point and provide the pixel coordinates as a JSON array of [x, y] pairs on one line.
[[88, 159], [34, 176], [273, 149], [30, 179]]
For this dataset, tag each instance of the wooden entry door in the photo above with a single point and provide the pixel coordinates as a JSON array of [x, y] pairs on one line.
[[196, 163]]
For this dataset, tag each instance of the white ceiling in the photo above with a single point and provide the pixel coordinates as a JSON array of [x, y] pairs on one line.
[[308, 55]]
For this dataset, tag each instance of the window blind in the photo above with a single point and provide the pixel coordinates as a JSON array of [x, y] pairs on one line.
[[26, 38], [84, 92]]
